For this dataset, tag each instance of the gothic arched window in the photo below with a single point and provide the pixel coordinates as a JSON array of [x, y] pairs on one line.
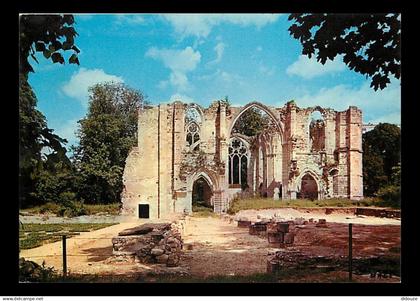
[[238, 163], [192, 128], [193, 136]]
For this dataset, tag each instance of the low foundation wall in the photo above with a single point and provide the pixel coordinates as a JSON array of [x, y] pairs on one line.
[[151, 243]]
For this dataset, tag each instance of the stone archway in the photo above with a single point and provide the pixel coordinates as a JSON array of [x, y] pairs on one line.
[[261, 107], [202, 194], [211, 185], [308, 188]]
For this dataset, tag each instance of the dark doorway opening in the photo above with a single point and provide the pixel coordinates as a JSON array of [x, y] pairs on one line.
[[202, 196], [309, 188], [143, 211]]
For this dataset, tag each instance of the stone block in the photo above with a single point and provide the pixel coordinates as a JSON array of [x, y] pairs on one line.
[[244, 224], [173, 260], [273, 267], [283, 227], [289, 238], [157, 252], [276, 237], [162, 258]]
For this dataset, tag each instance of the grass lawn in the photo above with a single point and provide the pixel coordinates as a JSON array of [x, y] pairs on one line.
[[201, 211], [35, 235], [266, 203], [112, 209]]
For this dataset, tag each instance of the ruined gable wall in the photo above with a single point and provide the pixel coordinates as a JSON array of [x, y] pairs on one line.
[[354, 133], [141, 170]]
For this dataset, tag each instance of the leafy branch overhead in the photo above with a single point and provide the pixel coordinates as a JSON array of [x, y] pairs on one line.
[[50, 35], [369, 43]]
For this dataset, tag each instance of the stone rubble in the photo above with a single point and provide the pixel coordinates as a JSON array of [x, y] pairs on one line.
[[150, 243]]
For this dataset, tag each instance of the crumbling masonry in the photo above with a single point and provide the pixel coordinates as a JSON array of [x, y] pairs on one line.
[[299, 157]]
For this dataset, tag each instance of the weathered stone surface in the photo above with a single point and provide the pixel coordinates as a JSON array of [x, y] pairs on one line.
[[173, 260], [162, 258], [318, 160], [244, 224], [275, 237], [283, 227], [289, 238], [157, 252], [162, 243], [144, 229]]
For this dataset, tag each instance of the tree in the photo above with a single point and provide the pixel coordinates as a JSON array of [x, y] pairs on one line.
[[370, 43], [251, 122], [46, 34], [106, 134], [40, 33], [381, 157], [34, 138]]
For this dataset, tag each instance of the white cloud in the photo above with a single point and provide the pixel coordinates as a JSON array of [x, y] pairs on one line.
[[79, 83], [223, 77], [267, 71], [67, 130], [390, 118], [378, 105], [310, 68], [129, 19], [180, 62], [84, 17], [179, 80], [181, 97], [200, 25], [219, 49]]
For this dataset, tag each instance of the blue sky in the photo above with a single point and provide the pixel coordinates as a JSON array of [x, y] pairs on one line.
[[201, 58]]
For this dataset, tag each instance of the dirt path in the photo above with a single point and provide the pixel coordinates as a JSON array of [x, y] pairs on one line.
[[220, 247], [87, 252]]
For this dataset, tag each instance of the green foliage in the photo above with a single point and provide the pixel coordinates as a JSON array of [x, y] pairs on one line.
[[370, 43], [39, 148], [268, 203], [381, 157], [106, 134], [30, 271], [251, 122], [88, 209], [34, 138], [50, 35], [391, 194], [35, 235]]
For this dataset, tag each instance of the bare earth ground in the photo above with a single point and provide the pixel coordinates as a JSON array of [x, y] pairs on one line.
[[219, 247]]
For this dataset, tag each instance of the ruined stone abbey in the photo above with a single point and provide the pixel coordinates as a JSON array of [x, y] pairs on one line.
[[183, 148]]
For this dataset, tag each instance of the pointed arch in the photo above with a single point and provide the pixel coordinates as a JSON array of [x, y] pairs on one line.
[[262, 107]]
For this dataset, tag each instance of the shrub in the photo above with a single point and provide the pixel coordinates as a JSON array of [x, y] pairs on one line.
[[70, 207], [391, 195], [30, 271]]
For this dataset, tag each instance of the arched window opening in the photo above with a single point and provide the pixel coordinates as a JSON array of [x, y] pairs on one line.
[[308, 188], [202, 196], [238, 163], [192, 128], [193, 136], [192, 115], [334, 174], [253, 122], [317, 132]]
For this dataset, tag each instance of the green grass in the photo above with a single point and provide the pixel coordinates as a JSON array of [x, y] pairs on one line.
[[202, 211], [35, 235], [53, 208], [266, 203]]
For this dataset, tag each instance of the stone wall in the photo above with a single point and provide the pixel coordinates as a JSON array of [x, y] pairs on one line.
[[162, 169], [150, 243]]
